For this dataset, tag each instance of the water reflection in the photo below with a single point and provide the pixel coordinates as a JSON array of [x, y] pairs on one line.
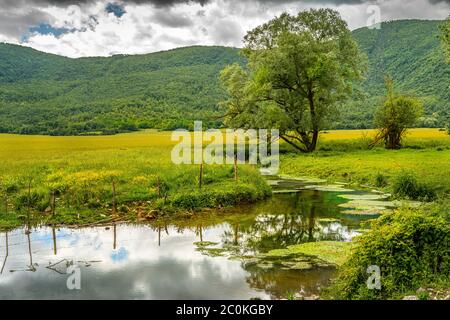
[[164, 260]]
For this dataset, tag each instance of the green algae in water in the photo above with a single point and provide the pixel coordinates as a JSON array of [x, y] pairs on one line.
[[365, 213], [364, 196], [213, 252], [304, 179], [368, 204], [286, 191], [333, 252], [328, 220], [328, 188], [205, 243]]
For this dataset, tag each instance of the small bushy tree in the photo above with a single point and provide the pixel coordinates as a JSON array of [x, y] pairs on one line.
[[395, 116]]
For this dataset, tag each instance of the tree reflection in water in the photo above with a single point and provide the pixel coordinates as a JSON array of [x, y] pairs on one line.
[[284, 220]]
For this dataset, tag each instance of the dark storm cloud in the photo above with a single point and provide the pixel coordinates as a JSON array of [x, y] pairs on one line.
[[17, 24], [7, 4], [170, 19], [168, 3]]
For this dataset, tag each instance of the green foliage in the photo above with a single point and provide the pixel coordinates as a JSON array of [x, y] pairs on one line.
[[47, 94], [445, 37], [411, 247], [381, 180], [227, 196], [300, 68], [406, 186], [409, 51], [394, 116]]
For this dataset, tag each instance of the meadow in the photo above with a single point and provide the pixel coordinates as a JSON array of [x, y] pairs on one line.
[[83, 180], [344, 156]]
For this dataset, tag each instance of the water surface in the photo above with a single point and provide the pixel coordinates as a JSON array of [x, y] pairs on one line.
[[208, 256]]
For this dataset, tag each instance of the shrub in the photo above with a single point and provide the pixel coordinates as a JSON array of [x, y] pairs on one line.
[[406, 186], [381, 180], [411, 247], [38, 200]]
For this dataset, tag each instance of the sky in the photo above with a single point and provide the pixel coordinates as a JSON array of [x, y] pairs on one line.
[[77, 28]]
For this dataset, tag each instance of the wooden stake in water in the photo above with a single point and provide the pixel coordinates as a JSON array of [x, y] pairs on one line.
[[55, 251], [29, 205], [31, 267], [115, 237], [7, 253]]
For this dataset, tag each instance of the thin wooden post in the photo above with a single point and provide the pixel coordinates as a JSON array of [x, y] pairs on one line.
[[158, 186], [236, 235], [115, 237], [7, 253], [55, 250], [200, 178], [32, 268], [114, 204], [53, 202], [6, 204], [29, 204], [235, 168], [159, 236]]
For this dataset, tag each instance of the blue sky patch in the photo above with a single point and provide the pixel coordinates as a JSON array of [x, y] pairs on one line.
[[119, 255], [116, 9], [44, 28]]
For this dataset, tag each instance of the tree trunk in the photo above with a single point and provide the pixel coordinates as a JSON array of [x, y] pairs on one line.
[[313, 144], [314, 120]]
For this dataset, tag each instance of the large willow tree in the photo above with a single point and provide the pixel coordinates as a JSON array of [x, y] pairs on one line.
[[300, 70]]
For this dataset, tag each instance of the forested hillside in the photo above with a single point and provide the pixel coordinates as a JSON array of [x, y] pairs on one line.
[[47, 94], [410, 52]]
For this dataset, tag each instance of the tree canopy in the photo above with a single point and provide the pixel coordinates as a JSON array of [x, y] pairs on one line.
[[300, 70], [395, 116]]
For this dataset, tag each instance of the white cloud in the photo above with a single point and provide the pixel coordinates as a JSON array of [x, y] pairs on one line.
[[149, 28]]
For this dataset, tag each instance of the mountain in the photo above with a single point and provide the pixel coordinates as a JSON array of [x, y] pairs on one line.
[[47, 94], [42, 93], [410, 52]]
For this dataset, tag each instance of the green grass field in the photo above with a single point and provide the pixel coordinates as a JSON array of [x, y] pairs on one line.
[[82, 170], [344, 156]]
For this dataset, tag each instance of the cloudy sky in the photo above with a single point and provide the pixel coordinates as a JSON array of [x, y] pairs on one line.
[[78, 28]]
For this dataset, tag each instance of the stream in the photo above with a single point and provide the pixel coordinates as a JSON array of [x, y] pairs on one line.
[[219, 254]]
